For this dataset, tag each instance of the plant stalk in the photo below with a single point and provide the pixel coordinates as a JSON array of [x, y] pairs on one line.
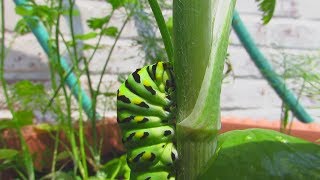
[[163, 28], [201, 34], [26, 156]]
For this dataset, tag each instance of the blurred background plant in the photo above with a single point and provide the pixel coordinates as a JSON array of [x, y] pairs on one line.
[[36, 103], [301, 73], [32, 98]]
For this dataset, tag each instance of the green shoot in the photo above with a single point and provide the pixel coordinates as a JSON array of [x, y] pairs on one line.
[[267, 7]]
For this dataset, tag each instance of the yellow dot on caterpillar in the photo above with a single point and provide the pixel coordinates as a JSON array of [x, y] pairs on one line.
[[161, 86], [138, 118], [165, 76], [159, 67], [120, 93], [140, 71], [136, 101], [139, 134], [146, 83], [146, 156]]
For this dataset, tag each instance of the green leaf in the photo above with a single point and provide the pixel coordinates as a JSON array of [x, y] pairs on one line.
[[29, 95], [63, 155], [169, 25], [116, 168], [7, 123], [97, 23], [23, 11], [116, 4], [267, 7], [27, 88], [89, 46], [110, 31], [22, 27], [24, 118], [87, 36], [8, 154], [46, 127], [263, 154]]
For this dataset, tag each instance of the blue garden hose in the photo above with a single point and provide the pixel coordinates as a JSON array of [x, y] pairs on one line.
[[267, 71], [43, 38]]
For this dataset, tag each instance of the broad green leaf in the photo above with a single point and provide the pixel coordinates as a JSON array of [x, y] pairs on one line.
[[263, 154], [7, 154], [267, 7], [110, 31]]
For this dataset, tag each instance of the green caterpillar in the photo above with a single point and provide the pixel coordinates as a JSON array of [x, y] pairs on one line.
[[145, 110]]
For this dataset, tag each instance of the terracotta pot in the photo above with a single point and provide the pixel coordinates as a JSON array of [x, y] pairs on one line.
[[310, 132], [41, 143]]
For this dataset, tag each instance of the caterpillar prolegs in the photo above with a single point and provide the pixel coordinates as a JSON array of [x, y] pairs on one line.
[[145, 110]]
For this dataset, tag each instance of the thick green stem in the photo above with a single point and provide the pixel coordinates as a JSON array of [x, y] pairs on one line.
[[201, 34]]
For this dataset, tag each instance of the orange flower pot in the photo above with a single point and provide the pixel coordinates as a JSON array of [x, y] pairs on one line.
[[41, 143]]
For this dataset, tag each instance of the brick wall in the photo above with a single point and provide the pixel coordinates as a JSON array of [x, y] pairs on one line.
[[295, 28]]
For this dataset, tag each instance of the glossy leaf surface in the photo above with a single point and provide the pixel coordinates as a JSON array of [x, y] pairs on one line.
[[263, 154]]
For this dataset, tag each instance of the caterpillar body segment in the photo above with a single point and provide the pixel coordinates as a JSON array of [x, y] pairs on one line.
[[146, 115], [149, 136], [146, 87], [156, 157], [127, 120]]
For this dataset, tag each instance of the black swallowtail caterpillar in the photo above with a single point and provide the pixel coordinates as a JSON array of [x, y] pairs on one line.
[[145, 110]]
